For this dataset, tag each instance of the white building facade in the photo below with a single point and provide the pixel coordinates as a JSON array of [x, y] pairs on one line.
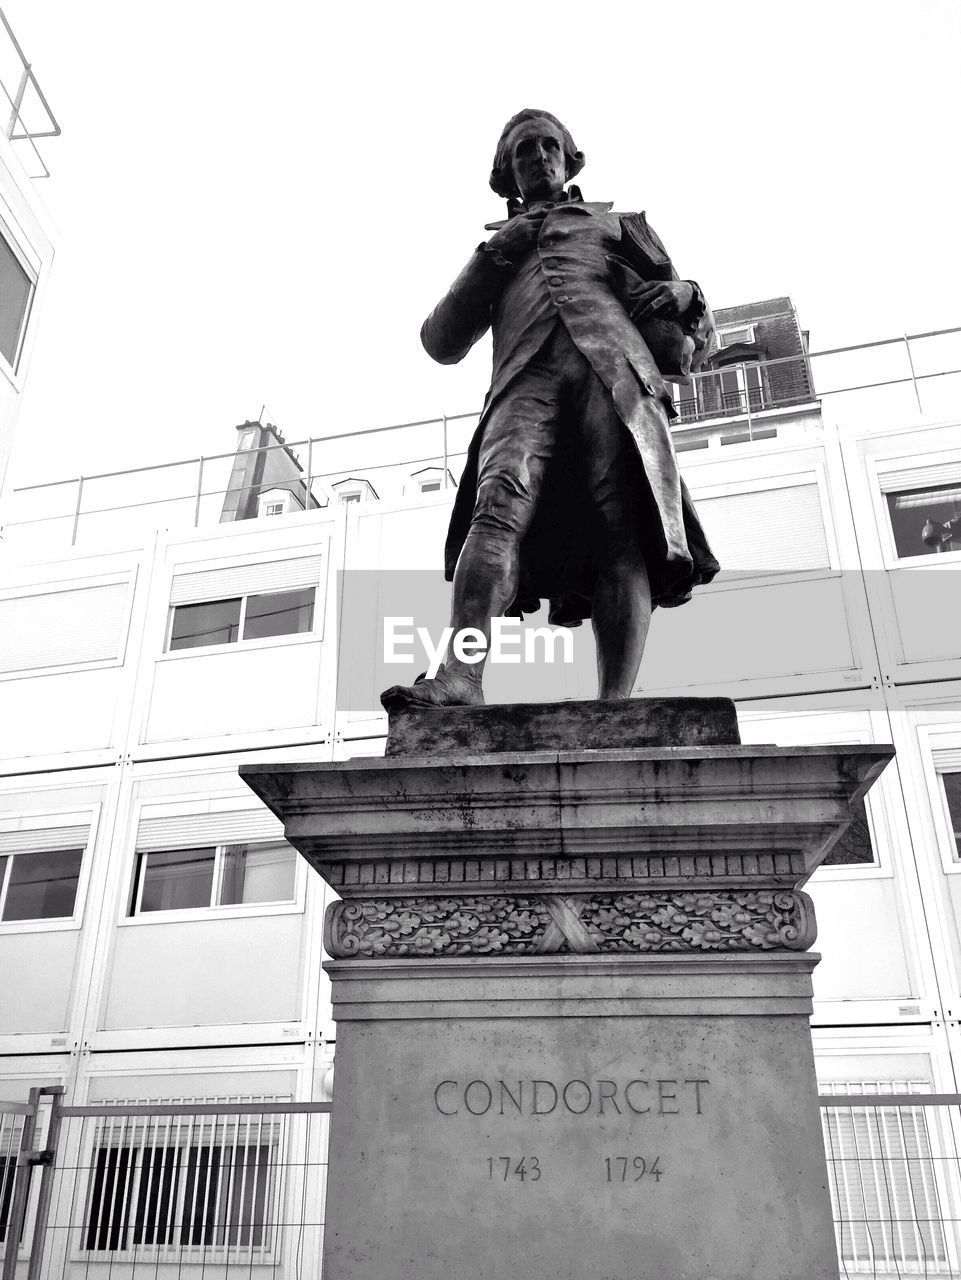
[[159, 940]]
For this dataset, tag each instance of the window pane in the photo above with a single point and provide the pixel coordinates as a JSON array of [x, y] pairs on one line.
[[283, 613], [855, 844], [43, 886], [213, 622], [926, 521], [952, 789], [176, 879], [258, 873], [109, 1215], [15, 288], [157, 1198]]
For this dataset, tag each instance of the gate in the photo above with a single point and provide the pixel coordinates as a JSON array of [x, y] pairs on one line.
[[220, 1189]]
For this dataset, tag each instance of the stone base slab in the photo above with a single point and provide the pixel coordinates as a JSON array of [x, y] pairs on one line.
[[558, 726], [577, 1119]]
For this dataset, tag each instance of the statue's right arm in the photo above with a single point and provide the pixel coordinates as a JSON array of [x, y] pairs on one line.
[[463, 315]]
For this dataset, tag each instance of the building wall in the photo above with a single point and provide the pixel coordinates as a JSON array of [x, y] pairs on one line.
[[817, 628]]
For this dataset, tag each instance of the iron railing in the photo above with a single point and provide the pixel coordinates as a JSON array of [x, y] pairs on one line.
[[224, 1187], [232, 1187], [894, 1174], [30, 116], [736, 404]]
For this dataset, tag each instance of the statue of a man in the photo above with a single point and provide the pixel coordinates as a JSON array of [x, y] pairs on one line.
[[571, 490]]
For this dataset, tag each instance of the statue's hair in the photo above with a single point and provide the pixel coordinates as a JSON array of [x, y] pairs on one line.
[[502, 176]]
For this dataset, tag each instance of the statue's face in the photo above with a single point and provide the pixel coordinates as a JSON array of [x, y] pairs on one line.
[[537, 160]]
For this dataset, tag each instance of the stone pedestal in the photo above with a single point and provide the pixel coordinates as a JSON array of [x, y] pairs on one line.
[[572, 990]]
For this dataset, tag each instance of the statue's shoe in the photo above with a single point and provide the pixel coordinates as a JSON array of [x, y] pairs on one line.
[[446, 689]]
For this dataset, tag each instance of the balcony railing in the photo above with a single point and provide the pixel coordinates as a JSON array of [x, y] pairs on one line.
[[734, 405]]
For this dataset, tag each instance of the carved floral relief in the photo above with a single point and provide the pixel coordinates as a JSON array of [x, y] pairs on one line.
[[728, 920]]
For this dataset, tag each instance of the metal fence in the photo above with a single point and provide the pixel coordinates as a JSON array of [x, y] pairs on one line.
[[214, 1189], [231, 1188], [895, 1179]]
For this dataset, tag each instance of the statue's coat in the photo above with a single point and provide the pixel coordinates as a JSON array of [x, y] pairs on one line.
[[575, 249]]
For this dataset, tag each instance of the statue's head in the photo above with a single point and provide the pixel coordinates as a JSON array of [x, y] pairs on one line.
[[535, 156]]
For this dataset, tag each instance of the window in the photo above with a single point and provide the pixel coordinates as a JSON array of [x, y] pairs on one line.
[[952, 794], [16, 291], [39, 885], [926, 521], [213, 622], [884, 1180], [56, 627], [201, 1182], [729, 337], [273, 502], [191, 879], [354, 489], [253, 617], [430, 486], [854, 846]]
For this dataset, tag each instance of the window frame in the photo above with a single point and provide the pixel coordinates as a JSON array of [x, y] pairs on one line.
[[920, 557], [900, 1195], [802, 473], [60, 586], [286, 637], [132, 917], [37, 820], [726, 331], [940, 754], [884, 475], [160, 1134], [215, 904], [855, 729], [32, 271]]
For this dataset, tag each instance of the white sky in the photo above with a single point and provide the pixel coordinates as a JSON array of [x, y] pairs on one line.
[[260, 202]]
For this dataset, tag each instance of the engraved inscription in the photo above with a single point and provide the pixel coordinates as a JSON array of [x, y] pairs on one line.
[[632, 1168], [502, 1168], [640, 1095]]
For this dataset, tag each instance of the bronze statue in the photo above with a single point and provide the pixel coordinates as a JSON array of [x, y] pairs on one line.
[[571, 490]]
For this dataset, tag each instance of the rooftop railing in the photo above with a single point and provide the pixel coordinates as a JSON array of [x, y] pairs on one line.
[[29, 116], [911, 375]]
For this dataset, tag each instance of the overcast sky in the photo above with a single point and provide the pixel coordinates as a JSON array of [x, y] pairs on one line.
[[258, 203]]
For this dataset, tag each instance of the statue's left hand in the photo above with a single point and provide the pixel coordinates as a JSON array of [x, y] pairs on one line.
[[666, 298]]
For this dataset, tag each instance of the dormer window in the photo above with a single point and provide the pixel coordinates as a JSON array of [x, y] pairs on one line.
[[273, 502], [429, 480], [743, 333], [354, 489]]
